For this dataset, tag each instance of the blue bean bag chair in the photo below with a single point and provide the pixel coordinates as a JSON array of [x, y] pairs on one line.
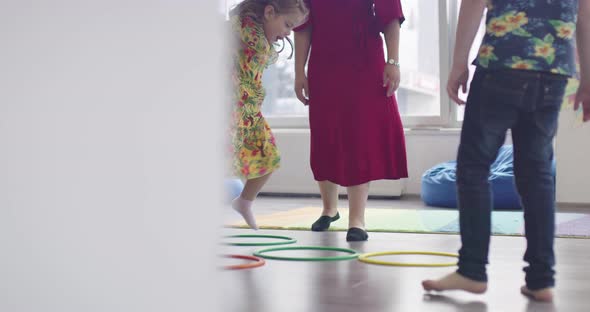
[[439, 189]]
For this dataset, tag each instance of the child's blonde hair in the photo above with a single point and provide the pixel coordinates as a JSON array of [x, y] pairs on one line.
[[255, 8]]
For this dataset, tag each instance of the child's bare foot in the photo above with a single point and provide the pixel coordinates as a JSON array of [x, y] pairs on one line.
[[244, 207], [455, 281], [543, 295]]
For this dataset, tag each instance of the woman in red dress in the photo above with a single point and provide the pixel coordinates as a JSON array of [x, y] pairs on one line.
[[356, 130]]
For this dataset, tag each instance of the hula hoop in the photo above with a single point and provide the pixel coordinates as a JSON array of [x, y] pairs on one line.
[[351, 253], [257, 262], [365, 258], [286, 240]]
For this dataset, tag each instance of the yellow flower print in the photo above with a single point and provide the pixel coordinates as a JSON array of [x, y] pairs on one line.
[[544, 50], [510, 22], [516, 20], [486, 54], [498, 27], [564, 30], [518, 63], [486, 51], [252, 143], [522, 65]]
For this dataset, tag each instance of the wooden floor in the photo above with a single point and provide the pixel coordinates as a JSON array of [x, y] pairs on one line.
[[282, 286]]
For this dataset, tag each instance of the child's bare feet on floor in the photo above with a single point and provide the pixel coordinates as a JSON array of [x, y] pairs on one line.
[[244, 207], [455, 281], [544, 295]]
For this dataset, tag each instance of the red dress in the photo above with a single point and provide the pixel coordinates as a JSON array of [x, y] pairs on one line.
[[356, 130]]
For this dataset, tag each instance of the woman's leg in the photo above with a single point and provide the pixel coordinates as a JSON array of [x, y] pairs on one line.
[[357, 201], [329, 193]]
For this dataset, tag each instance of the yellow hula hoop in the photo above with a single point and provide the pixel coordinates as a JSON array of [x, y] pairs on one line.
[[366, 258]]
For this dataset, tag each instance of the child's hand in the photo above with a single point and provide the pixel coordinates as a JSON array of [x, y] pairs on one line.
[[391, 77], [583, 98], [302, 89], [457, 78]]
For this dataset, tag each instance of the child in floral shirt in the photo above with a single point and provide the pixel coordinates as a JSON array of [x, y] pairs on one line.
[[525, 60]]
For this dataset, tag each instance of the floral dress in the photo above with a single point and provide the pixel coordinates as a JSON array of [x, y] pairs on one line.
[[255, 153]]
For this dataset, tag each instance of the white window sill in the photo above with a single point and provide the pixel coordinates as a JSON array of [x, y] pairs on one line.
[[429, 131]]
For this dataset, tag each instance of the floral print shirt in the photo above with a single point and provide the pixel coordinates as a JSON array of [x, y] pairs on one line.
[[530, 35]]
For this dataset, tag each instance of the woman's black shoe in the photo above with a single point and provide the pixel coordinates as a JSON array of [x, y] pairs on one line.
[[356, 235], [323, 223]]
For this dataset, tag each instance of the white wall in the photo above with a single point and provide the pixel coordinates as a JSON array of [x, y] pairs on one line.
[[425, 148], [103, 174], [428, 147], [572, 152]]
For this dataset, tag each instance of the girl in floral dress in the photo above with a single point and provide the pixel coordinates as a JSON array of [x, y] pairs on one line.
[[256, 25]]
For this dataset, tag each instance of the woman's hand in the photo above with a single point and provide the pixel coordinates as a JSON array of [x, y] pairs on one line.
[[302, 88], [391, 78]]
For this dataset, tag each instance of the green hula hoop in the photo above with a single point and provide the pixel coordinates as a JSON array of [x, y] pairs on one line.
[[285, 240], [351, 253], [366, 258]]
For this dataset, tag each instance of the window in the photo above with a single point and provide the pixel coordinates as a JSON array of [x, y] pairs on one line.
[[425, 53], [419, 92], [278, 80]]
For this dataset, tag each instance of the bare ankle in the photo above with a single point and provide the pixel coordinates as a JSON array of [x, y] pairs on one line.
[[329, 212], [354, 223]]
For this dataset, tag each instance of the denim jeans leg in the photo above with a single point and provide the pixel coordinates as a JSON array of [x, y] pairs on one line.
[[533, 156], [490, 111]]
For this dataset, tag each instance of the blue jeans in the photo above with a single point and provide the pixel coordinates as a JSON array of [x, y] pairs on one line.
[[528, 103]]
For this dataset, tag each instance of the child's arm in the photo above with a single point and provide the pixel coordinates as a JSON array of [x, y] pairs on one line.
[[391, 74], [469, 19], [302, 46], [583, 41]]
